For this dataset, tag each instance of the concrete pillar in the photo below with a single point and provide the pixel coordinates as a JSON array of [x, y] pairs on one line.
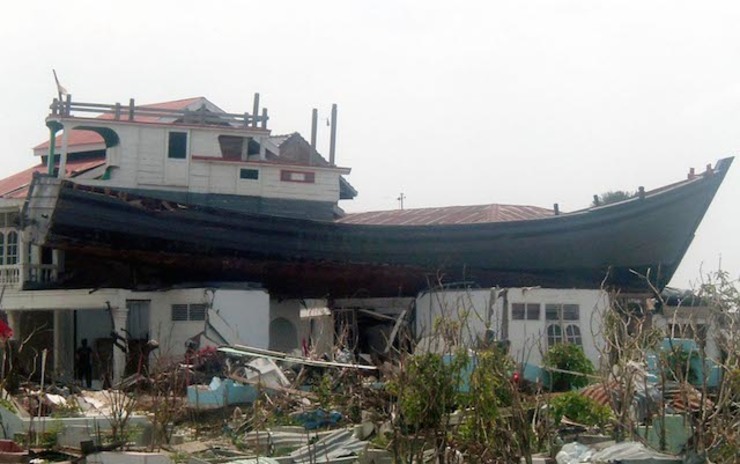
[[64, 344], [120, 318], [63, 155]]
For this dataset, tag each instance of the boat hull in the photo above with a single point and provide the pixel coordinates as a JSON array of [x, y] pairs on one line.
[[614, 245]]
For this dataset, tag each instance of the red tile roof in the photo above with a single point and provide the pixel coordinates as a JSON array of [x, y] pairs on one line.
[[449, 215], [16, 186], [82, 137]]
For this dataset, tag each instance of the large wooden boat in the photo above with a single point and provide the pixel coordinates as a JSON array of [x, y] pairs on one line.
[[184, 191], [615, 245]]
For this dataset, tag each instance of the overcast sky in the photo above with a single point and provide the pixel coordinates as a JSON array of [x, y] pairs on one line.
[[451, 103]]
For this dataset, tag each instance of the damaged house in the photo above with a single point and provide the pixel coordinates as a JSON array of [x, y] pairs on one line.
[[182, 223], [182, 152]]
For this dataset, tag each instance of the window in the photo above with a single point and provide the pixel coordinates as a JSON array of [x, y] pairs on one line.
[[231, 147], [573, 335], [563, 326], [530, 311], [179, 312], [177, 147], [252, 174], [2, 248], [297, 176], [191, 312], [237, 148], [554, 335], [11, 248], [562, 312]]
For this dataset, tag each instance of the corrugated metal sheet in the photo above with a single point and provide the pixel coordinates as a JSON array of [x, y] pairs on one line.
[[449, 215]]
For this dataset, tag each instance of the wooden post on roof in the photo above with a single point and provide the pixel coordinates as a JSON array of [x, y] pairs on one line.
[[131, 109], [255, 109], [333, 139], [264, 118], [314, 126], [68, 105], [117, 112]]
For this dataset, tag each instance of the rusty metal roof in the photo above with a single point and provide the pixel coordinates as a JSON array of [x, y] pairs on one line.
[[449, 215]]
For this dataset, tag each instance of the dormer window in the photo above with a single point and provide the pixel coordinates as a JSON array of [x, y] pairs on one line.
[[177, 147]]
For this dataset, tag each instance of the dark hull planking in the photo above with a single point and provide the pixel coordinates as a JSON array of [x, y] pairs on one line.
[[296, 257]]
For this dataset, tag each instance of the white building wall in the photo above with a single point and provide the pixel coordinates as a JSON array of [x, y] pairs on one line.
[[244, 312], [479, 310], [688, 318], [247, 314], [320, 332]]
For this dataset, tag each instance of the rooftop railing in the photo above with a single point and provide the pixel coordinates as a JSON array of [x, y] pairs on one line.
[[130, 112]]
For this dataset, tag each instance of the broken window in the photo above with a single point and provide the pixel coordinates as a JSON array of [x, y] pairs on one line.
[[528, 311], [177, 147], [237, 148]]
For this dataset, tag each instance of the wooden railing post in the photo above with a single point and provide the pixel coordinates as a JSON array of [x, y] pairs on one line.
[[255, 109], [68, 105], [131, 109]]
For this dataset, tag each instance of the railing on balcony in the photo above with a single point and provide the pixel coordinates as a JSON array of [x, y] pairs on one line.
[[10, 275], [119, 112], [42, 273]]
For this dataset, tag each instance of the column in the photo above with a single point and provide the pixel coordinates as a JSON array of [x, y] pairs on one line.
[[63, 155], [120, 318]]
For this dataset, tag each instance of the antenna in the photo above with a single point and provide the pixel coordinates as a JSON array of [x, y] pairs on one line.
[[400, 199]]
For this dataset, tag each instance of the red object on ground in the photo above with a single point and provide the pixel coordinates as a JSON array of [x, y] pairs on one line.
[[5, 331]]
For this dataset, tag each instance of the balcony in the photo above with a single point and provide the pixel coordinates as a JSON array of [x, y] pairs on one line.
[[41, 273], [10, 275], [36, 275]]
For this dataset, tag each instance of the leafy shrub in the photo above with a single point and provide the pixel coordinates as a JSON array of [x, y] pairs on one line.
[[580, 409], [428, 390], [612, 196], [569, 357]]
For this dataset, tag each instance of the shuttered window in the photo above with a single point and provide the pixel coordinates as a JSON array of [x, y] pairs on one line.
[[189, 312]]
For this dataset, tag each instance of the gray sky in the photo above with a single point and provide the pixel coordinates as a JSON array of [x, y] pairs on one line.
[[452, 103]]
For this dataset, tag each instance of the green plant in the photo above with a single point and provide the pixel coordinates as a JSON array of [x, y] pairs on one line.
[[70, 408], [580, 409], [568, 357], [5, 403], [324, 391], [428, 390], [612, 196], [678, 362]]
